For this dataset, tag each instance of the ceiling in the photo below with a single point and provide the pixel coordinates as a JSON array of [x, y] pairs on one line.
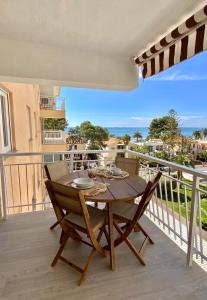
[[85, 43]]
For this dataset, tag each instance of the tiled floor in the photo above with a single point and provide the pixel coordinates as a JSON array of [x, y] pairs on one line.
[[27, 247]]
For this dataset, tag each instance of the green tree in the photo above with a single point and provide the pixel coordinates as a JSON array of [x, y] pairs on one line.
[[197, 134], [203, 155], [182, 159], [55, 124], [74, 131], [141, 149], [94, 135], [137, 135], [205, 132], [162, 155], [184, 144], [126, 139], [166, 128]]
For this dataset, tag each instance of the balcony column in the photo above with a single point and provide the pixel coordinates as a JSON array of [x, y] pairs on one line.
[[192, 225], [3, 195], [71, 162]]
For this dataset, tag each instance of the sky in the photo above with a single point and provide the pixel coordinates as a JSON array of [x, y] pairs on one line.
[[182, 87]]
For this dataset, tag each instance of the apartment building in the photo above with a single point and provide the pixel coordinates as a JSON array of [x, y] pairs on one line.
[[23, 108], [113, 143]]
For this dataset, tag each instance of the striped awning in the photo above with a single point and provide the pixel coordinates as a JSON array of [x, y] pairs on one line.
[[183, 42]]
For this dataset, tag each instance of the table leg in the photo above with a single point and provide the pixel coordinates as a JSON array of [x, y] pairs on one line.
[[111, 236]]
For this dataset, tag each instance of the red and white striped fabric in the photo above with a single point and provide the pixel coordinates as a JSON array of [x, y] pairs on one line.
[[183, 42]]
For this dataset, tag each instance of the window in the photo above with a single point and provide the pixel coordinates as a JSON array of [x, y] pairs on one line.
[[5, 134], [29, 122]]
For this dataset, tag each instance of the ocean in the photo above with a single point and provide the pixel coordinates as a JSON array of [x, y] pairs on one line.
[[120, 131]]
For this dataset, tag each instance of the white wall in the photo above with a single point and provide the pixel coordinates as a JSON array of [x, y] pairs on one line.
[[36, 63]]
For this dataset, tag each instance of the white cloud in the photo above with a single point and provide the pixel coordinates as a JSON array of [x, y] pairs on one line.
[[189, 117], [177, 76]]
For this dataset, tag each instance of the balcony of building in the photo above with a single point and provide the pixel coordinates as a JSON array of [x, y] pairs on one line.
[[52, 107], [174, 221], [53, 140]]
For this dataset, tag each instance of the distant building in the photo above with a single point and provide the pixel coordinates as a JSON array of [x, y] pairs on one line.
[[113, 143], [197, 146], [153, 144], [74, 142]]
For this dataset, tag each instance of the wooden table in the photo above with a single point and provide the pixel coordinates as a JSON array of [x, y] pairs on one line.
[[117, 190]]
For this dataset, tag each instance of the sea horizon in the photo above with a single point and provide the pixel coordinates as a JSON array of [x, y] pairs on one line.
[[120, 131]]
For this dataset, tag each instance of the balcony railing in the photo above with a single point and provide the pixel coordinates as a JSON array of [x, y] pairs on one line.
[[53, 137], [178, 208], [52, 103]]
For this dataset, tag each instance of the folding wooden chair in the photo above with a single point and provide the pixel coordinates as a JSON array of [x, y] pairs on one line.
[[130, 214], [85, 219], [58, 172], [129, 165]]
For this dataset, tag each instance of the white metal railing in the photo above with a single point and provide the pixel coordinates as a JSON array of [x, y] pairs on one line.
[[53, 137], [52, 103], [179, 206]]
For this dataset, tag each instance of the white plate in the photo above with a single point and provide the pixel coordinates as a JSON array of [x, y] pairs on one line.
[[83, 182], [82, 188]]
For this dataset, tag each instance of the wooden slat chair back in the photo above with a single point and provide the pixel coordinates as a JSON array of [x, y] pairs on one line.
[[145, 200], [129, 165], [78, 219], [58, 172], [134, 221]]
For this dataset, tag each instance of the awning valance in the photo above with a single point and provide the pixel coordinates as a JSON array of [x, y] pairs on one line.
[[183, 42]]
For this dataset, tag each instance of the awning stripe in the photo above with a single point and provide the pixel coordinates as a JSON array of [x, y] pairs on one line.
[[183, 42], [191, 22], [199, 39]]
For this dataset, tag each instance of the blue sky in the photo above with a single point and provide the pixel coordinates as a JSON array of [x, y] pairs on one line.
[[182, 87]]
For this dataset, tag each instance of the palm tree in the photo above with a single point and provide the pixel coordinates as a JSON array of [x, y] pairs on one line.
[[205, 132], [197, 134], [126, 139], [137, 135]]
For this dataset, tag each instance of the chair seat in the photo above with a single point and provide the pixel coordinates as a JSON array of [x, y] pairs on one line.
[[124, 210], [97, 218]]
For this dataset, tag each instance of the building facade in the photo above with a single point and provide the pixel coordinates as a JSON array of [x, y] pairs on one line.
[[21, 130]]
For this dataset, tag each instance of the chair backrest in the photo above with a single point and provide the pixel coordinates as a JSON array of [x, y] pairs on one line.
[[129, 165], [141, 207], [58, 171], [66, 197], [147, 196]]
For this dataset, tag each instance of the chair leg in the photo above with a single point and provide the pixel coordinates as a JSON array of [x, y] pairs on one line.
[[90, 258], [54, 225], [106, 234], [136, 228], [60, 250], [130, 245], [145, 233]]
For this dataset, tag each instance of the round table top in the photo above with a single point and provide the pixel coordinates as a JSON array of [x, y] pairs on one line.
[[117, 189]]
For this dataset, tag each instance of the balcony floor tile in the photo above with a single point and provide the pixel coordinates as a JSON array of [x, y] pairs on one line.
[[28, 246]]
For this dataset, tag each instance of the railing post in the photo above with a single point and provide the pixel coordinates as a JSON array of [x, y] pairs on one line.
[[126, 153], [3, 210], [192, 224], [71, 162]]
